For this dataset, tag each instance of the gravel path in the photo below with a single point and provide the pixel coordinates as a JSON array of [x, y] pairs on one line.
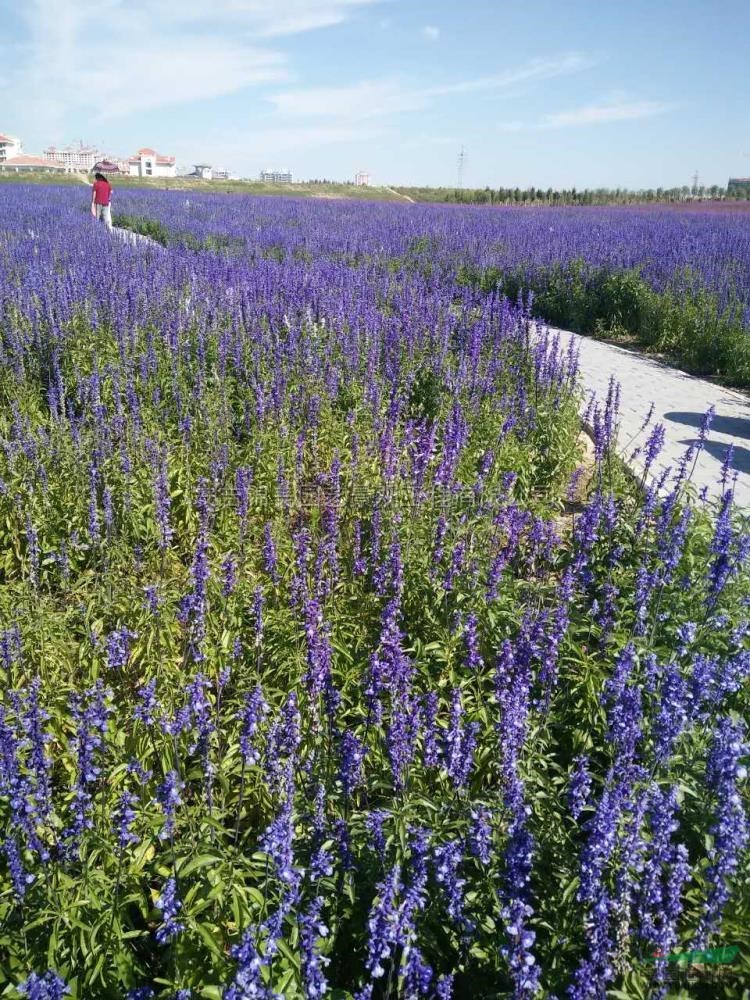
[[680, 401]]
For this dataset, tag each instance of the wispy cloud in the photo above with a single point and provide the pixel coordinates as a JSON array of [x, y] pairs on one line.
[[393, 95], [601, 114], [110, 58], [431, 32], [366, 99], [534, 69]]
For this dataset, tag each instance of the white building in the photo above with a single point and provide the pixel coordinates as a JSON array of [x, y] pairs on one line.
[[362, 179], [282, 176], [23, 163], [149, 163], [10, 146], [74, 158]]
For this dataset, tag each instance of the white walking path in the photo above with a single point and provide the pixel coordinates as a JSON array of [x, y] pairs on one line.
[[680, 402]]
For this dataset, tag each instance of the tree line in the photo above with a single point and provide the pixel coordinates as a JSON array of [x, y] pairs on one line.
[[574, 196]]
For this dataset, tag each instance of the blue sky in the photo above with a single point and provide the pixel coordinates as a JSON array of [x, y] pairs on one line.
[[545, 92]]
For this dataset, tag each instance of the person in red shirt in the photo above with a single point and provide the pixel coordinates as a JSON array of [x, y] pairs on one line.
[[101, 199]]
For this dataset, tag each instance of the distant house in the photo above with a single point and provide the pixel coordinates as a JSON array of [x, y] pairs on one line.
[[149, 163], [362, 178], [74, 158], [269, 176], [221, 174], [9, 146], [738, 185], [25, 163]]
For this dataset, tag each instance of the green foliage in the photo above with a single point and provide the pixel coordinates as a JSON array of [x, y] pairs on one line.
[[684, 323]]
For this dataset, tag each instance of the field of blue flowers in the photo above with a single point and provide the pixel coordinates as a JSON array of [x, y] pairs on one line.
[[331, 664]]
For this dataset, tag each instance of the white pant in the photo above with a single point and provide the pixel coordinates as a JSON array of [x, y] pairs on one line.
[[104, 214]]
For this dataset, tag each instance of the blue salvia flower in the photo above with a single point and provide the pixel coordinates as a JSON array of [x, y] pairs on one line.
[[169, 904], [580, 786], [730, 829], [383, 924], [19, 877], [270, 559], [205, 725], [480, 834], [278, 840], [169, 797], [444, 988], [430, 745], [251, 716], [460, 743], [90, 713], [665, 870], [474, 659], [417, 974], [321, 861], [375, 821], [311, 929], [147, 705], [48, 986], [125, 816], [140, 993], [248, 981], [352, 757], [117, 646], [401, 737], [163, 500], [672, 715], [229, 576], [447, 859], [153, 599]]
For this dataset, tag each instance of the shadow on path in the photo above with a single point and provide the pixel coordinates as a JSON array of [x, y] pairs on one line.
[[718, 450], [733, 426]]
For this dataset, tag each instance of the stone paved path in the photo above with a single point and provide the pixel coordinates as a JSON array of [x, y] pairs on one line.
[[128, 236], [680, 401]]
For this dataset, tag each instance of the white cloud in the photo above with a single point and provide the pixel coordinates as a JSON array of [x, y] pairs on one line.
[[109, 58], [599, 114], [367, 99], [534, 69], [391, 95], [431, 32]]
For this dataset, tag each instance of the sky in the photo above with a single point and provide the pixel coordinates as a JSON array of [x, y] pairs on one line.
[[549, 93]]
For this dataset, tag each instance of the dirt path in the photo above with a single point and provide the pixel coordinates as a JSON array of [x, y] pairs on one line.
[[399, 195]]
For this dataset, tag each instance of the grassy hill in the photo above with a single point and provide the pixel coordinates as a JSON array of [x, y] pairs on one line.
[[308, 190]]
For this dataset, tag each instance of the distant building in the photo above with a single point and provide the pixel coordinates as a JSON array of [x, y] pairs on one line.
[[221, 174], [362, 179], [9, 146], [149, 163], [25, 163], [74, 158], [738, 185], [276, 176]]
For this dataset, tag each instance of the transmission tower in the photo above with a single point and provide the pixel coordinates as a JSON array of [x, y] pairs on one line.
[[461, 165], [695, 182]]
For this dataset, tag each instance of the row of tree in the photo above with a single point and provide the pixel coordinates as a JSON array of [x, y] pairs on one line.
[[573, 196]]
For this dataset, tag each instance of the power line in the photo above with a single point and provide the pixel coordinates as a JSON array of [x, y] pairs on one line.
[[461, 165]]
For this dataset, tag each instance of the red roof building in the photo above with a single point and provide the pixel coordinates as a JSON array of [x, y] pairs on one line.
[[25, 162], [148, 163]]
